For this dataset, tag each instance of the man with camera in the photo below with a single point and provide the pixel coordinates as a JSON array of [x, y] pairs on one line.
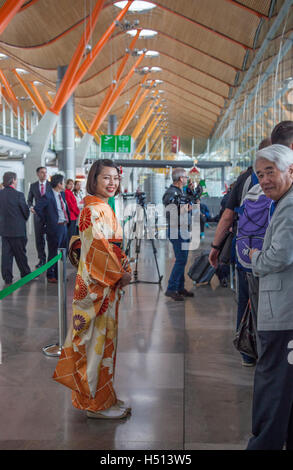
[[178, 215]]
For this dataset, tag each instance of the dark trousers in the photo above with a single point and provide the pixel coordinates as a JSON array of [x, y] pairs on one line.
[[14, 247], [272, 413], [71, 230], [40, 238], [203, 220], [176, 280], [55, 241], [243, 297], [253, 288]]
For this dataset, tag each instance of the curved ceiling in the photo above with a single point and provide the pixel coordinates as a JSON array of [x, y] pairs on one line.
[[203, 46]]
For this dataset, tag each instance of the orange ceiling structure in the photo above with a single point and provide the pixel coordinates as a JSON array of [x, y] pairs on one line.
[[204, 48]]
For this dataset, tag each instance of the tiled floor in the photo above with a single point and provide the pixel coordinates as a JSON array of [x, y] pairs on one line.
[[176, 364]]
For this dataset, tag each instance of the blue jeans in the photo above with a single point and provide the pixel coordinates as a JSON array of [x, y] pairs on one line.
[[176, 280]]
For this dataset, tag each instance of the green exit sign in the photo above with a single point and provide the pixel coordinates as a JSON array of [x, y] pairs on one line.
[[116, 143]]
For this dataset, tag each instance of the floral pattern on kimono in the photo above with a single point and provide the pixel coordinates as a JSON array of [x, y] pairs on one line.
[[88, 357]]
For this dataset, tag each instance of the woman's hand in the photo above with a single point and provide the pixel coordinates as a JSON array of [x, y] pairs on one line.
[[124, 281]]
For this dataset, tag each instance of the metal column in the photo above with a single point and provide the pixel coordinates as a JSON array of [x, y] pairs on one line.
[[112, 126], [66, 134]]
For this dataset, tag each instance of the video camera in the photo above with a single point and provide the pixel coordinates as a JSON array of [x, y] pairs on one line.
[[139, 196], [190, 197]]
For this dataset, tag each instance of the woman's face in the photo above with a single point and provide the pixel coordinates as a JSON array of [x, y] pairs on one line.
[[77, 186], [69, 185], [107, 183]]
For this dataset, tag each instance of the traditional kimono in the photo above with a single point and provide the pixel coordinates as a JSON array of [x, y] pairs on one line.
[[87, 361]]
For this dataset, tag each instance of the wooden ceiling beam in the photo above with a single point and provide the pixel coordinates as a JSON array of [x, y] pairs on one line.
[[113, 97], [197, 84], [8, 11], [68, 83], [78, 23], [205, 28], [185, 44], [192, 110], [28, 4], [192, 122], [194, 94], [193, 132], [197, 69], [250, 10]]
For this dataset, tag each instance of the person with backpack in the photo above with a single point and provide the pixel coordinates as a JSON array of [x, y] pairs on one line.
[[253, 219], [227, 222]]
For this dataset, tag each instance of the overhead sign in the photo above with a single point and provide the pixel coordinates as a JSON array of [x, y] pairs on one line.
[[116, 143], [108, 143], [175, 143], [123, 143]]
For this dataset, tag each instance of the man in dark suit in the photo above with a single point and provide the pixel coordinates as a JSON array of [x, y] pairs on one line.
[[14, 213], [54, 214], [36, 191]]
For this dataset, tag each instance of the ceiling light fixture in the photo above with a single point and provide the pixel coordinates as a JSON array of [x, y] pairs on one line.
[[137, 6], [19, 70], [3, 56], [145, 33], [152, 54], [156, 69]]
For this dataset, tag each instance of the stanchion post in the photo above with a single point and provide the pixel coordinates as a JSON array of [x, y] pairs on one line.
[[62, 297], [54, 350]]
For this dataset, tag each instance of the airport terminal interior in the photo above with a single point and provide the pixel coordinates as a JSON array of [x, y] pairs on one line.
[[153, 86]]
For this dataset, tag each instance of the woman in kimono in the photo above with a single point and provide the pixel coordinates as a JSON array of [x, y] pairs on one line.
[[87, 361]]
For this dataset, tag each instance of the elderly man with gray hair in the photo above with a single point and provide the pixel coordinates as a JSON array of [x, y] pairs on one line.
[[272, 416], [175, 209]]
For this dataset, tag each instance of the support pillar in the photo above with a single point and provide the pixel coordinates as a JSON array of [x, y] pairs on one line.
[[147, 149], [66, 155], [112, 126], [223, 178]]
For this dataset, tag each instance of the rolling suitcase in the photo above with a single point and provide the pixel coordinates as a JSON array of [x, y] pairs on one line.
[[201, 271]]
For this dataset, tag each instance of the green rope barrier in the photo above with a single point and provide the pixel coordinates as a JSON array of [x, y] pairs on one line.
[[24, 280]]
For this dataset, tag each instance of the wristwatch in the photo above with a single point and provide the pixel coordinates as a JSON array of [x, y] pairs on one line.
[[215, 247]]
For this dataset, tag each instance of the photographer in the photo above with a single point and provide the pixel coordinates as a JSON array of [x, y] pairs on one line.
[[179, 209]]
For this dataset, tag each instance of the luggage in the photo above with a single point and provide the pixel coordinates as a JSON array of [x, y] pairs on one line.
[[245, 338], [201, 271]]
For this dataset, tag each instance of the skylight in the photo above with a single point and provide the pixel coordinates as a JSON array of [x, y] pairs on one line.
[[137, 5]]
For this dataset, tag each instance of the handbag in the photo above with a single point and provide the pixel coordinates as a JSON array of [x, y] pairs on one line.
[[226, 249], [245, 337], [74, 250]]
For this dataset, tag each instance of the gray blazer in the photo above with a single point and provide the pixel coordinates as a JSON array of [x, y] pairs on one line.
[[274, 267]]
